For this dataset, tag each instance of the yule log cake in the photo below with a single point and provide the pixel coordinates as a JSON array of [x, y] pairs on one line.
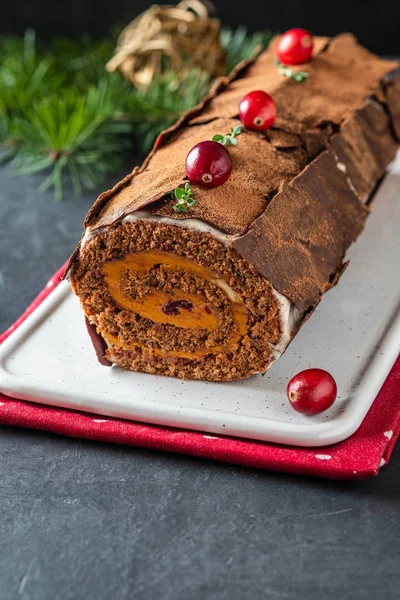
[[218, 292]]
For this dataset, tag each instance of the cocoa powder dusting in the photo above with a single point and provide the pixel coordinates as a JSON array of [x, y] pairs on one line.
[[342, 76]]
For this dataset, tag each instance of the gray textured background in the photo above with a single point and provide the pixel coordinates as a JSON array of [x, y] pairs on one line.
[[89, 521]]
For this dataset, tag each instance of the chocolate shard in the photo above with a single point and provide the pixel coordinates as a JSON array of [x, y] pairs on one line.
[[99, 343], [365, 146], [323, 209], [391, 83]]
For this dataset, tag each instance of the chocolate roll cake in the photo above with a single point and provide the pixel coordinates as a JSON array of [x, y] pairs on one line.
[[218, 293]]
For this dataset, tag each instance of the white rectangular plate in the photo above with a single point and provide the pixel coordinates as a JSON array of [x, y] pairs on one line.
[[354, 334]]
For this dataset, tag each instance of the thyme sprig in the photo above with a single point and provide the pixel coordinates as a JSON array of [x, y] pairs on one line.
[[185, 200], [230, 138], [298, 76]]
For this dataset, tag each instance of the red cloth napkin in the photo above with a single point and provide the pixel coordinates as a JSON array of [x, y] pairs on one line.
[[361, 455]]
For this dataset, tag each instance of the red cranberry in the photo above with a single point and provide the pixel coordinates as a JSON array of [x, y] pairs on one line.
[[257, 111], [295, 47], [312, 391], [208, 164], [172, 306]]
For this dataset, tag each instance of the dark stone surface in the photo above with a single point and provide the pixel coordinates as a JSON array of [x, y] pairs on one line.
[[88, 521]]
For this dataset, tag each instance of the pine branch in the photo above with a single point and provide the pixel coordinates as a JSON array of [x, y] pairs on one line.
[[83, 61], [241, 45], [77, 134], [157, 108], [62, 115]]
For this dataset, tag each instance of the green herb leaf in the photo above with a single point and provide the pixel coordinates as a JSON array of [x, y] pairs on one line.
[[298, 76], [185, 199], [179, 193], [230, 138], [237, 130], [180, 208]]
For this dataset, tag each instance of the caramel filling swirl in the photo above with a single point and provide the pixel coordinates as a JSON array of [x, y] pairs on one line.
[[176, 307]]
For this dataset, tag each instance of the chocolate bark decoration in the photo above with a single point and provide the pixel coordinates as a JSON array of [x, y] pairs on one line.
[[258, 170], [343, 76], [365, 146], [98, 342], [392, 84], [302, 267], [323, 205], [295, 202]]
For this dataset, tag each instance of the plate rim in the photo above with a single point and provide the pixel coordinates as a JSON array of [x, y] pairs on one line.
[[337, 429]]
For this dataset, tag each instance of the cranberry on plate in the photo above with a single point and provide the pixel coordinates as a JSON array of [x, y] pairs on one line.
[[312, 391]]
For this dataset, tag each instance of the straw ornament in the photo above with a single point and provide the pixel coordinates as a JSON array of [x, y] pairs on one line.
[[169, 37]]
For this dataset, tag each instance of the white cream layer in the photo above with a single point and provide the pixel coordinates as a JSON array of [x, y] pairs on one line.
[[289, 315]]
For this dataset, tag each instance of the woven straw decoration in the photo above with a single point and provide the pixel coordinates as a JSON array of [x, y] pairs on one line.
[[169, 37]]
